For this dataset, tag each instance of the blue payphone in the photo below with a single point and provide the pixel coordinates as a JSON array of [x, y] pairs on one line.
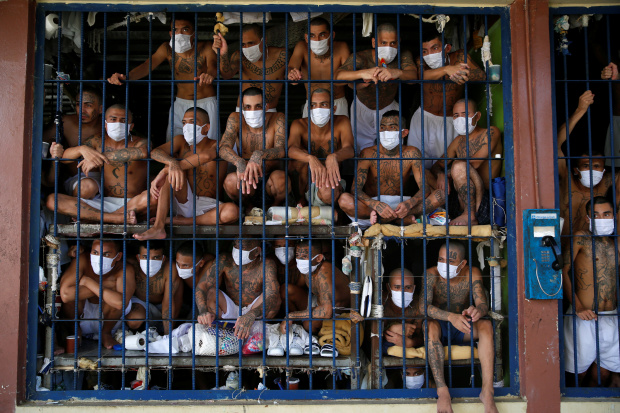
[[543, 258]]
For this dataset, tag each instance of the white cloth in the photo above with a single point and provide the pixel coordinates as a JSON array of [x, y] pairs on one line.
[[586, 342], [71, 183], [391, 200], [232, 309], [433, 135], [181, 105], [367, 128], [616, 123], [110, 203], [154, 309], [234, 17], [204, 204], [342, 107], [298, 16], [91, 310]]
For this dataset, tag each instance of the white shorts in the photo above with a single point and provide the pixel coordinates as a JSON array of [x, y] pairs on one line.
[[616, 124], [204, 204], [110, 203], [391, 200], [342, 107], [367, 128], [154, 309], [181, 105], [434, 144], [71, 183], [232, 309], [314, 192], [586, 342], [90, 327]]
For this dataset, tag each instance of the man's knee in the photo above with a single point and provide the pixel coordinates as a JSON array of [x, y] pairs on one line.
[[277, 182], [434, 330], [347, 204], [459, 170], [50, 202], [230, 183], [229, 213], [88, 188], [485, 328]]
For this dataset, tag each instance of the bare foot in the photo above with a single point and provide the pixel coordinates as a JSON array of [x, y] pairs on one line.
[[444, 404], [107, 340], [58, 350], [373, 217], [151, 233], [409, 220], [463, 220], [486, 397]]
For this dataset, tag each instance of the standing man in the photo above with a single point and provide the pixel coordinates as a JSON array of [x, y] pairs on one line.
[[375, 74], [323, 62], [186, 59]]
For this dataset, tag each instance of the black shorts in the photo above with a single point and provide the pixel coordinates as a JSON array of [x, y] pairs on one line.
[[483, 214]]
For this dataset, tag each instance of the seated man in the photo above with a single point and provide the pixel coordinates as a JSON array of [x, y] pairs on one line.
[[389, 205], [401, 281], [594, 301], [105, 267], [180, 172], [154, 269], [185, 263], [249, 176], [469, 201], [459, 322], [244, 262], [120, 159], [325, 173]]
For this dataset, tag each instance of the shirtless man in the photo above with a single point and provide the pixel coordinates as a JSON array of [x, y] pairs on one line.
[[401, 281], [389, 205], [186, 59], [105, 265], [180, 172], [112, 151], [284, 252], [457, 323], [582, 170], [458, 72], [249, 165], [475, 192], [375, 75], [610, 72], [161, 290], [324, 162], [594, 303], [185, 263], [89, 111], [324, 298], [249, 262], [322, 61], [252, 47]]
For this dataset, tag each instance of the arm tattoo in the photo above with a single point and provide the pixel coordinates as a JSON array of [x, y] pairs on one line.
[[161, 156], [125, 155], [360, 182], [480, 297]]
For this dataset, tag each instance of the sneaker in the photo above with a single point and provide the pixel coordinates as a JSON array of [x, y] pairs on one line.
[[295, 342], [274, 342]]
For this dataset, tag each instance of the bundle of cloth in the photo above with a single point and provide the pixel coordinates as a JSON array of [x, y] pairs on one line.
[[341, 330], [457, 352]]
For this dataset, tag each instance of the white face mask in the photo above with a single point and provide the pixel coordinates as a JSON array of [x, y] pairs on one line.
[[603, 226], [107, 264], [186, 273], [319, 47], [320, 116], [397, 298], [585, 177], [254, 118], [182, 43], [389, 139], [387, 53], [154, 266], [253, 53], [281, 254], [414, 382], [116, 130], [188, 133], [442, 268], [245, 256], [304, 265], [461, 127], [433, 60]]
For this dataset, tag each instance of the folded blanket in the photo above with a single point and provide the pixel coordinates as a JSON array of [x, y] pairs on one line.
[[458, 352], [342, 330]]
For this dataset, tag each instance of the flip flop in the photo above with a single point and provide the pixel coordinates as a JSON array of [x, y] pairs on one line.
[[315, 349], [328, 351]]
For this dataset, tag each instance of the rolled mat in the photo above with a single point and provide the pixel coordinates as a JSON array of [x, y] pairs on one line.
[[458, 352]]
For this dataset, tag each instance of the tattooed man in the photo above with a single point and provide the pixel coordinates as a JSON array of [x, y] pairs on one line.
[[185, 263], [241, 273], [164, 287], [323, 61], [457, 323], [192, 61], [384, 175], [375, 74], [440, 63], [262, 138], [594, 303], [181, 178], [253, 62], [123, 174], [469, 200], [325, 154], [313, 268]]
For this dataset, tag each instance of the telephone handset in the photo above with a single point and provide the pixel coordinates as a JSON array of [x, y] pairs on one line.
[[549, 241]]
